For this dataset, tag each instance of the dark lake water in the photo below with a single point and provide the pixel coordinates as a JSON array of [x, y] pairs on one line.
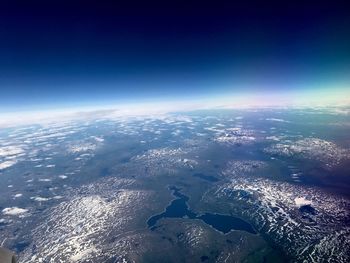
[[178, 208], [225, 223], [209, 178]]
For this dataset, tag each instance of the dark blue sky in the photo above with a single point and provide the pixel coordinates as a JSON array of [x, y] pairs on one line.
[[57, 53]]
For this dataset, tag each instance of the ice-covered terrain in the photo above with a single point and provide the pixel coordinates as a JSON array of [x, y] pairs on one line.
[[326, 152], [84, 190], [88, 226], [307, 222], [235, 135]]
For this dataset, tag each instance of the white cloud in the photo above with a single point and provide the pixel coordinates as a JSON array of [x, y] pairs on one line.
[[7, 164], [12, 211], [301, 201], [44, 180], [10, 150], [40, 199], [276, 120]]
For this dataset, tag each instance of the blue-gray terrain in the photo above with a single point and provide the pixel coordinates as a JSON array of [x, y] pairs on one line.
[[254, 185]]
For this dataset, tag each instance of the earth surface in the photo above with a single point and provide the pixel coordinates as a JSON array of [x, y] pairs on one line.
[[204, 186]]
